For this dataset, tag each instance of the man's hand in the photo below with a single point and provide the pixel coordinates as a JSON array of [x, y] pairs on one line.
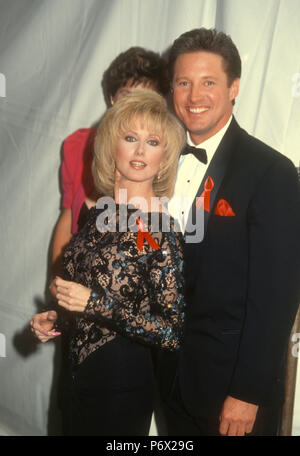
[[237, 417], [42, 325]]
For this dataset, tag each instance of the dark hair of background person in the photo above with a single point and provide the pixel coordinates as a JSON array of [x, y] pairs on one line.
[[134, 66], [208, 40]]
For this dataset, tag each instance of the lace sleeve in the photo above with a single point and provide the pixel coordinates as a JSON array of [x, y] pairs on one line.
[[150, 307]]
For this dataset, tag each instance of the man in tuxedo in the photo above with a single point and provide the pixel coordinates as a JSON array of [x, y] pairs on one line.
[[242, 279]]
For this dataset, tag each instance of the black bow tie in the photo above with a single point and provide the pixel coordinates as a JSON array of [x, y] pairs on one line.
[[200, 154]]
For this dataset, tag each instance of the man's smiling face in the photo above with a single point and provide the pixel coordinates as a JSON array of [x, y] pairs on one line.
[[201, 95]]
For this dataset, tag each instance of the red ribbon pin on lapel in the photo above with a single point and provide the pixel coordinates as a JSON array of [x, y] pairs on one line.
[[143, 234], [204, 198]]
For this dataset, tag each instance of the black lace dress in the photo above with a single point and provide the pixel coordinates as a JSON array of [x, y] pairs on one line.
[[136, 303]]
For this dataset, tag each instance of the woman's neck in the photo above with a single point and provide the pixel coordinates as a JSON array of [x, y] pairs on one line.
[[139, 194]]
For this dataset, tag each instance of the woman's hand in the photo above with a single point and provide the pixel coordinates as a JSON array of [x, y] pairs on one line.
[[72, 296], [52, 288], [42, 325]]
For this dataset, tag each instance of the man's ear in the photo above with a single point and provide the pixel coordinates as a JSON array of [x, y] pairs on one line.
[[111, 100], [234, 88]]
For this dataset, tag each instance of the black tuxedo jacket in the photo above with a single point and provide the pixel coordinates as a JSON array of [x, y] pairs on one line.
[[242, 280]]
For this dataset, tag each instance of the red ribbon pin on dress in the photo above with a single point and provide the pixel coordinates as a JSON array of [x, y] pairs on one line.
[[143, 234], [204, 198]]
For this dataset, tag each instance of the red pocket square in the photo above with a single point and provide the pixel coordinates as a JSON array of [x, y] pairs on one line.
[[224, 209]]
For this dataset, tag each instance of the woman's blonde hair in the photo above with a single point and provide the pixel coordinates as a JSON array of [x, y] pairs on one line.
[[151, 110]]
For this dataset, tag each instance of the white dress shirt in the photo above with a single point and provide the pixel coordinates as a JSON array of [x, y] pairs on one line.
[[189, 177]]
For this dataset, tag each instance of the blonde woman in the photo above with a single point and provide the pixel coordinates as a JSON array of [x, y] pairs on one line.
[[123, 282]]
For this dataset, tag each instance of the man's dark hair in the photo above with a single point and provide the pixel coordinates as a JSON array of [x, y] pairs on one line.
[[134, 66], [208, 40]]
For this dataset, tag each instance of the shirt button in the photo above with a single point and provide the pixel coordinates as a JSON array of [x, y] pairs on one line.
[[188, 181]]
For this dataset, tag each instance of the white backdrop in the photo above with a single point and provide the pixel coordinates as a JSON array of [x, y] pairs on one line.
[[52, 57]]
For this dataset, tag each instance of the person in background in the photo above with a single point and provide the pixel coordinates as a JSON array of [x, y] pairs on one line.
[[242, 279], [135, 68], [123, 287]]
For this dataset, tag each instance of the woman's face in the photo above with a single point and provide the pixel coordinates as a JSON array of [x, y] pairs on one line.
[[139, 154]]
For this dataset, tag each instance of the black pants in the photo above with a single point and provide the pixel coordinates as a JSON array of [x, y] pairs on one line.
[[111, 393], [180, 423]]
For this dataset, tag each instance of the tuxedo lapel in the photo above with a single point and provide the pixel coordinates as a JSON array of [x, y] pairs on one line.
[[216, 170]]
